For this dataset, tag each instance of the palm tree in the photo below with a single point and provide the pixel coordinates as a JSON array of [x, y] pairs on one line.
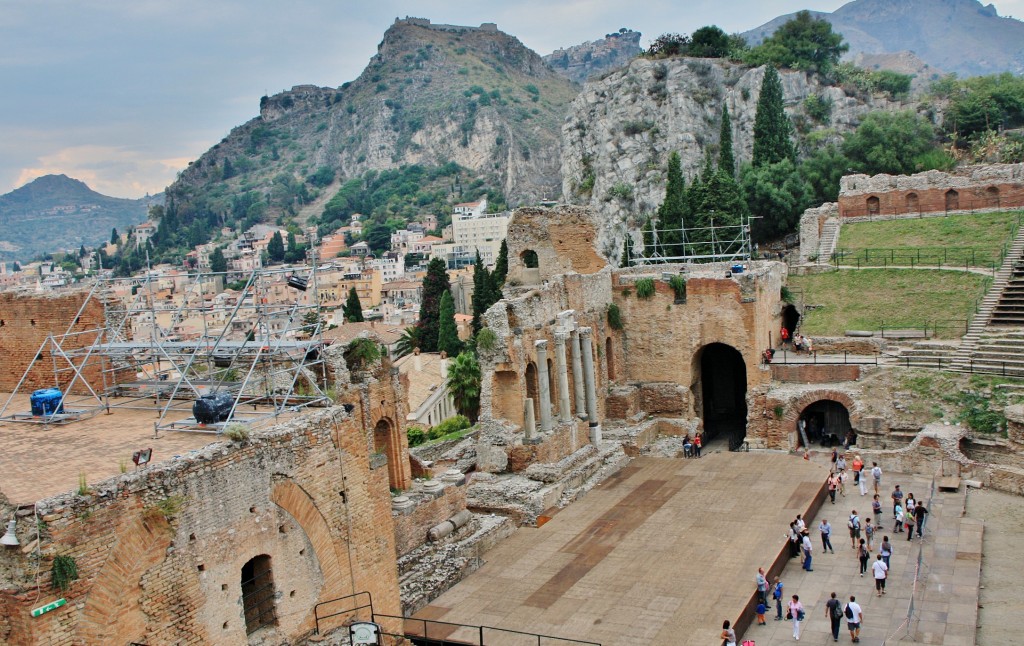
[[464, 384], [409, 341]]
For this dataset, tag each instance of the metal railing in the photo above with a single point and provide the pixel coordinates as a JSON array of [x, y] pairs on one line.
[[443, 631], [966, 258], [317, 617], [783, 359], [1001, 368]]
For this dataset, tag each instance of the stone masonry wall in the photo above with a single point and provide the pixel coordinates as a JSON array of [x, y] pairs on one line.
[[411, 528], [25, 322], [563, 239], [160, 552]]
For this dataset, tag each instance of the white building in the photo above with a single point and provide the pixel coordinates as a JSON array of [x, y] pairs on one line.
[[473, 231]]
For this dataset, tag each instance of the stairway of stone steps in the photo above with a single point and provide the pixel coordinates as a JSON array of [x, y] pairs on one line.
[[997, 351], [983, 318], [827, 242], [927, 354]]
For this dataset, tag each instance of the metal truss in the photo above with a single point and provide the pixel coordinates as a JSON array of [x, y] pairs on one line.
[[723, 243], [267, 353]]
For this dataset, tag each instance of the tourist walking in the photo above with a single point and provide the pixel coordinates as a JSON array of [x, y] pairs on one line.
[[876, 477], [897, 499], [881, 571], [859, 477], [834, 612], [687, 446], [898, 528], [921, 514], [908, 520], [863, 555], [853, 524], [833, 484], [794, 540], [777, 595], [885, 550], [854, 618], [697, 443], [876, 508], [807, 549], [762, 585], [796, 613], [728, 634], [869, 533], [841, 463], [826, 536]]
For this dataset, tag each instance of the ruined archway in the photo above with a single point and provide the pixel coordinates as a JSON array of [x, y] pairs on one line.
[[790, 319], [530, 259], [385, 441], [952, 200], [992, 196], [533, 389], [825, 422], [912, 202], [721, 399], [874, 205]]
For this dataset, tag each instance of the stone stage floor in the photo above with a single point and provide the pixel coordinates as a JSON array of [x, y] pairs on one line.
[[660, 553]]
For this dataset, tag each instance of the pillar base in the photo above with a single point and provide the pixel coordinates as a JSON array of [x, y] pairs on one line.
[[595, 434], [533, 440]]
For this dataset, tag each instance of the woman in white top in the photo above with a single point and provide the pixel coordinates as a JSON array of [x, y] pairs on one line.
[[796, 611], [728, 634]]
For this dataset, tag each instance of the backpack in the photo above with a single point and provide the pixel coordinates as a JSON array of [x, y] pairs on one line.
[[849, 612], [836, 610]]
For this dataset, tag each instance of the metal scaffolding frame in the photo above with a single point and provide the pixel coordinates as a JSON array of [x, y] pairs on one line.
[[723, 243], [267, 355]]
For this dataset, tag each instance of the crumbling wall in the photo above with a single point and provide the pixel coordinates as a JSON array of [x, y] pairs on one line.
[[561, 237], [160, 552]]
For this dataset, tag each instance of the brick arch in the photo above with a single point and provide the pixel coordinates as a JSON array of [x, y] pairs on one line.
[[796, 408], [387, 440], [112, 611], [333, 560]]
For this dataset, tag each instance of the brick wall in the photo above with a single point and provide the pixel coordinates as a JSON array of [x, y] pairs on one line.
[[302, 493], [25, 322], [411, 529], [815, 374]]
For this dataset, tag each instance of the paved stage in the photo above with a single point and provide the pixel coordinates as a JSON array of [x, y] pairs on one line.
[[660, 553]]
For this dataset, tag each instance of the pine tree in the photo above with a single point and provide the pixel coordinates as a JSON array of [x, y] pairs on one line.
[[726, 161], [435, 283], [218, 264], [672, 212], [114, 238], [81, 252], [275, 248], [483, 292], [772, 129], [229, 170], [447, 332], [500, 269], [352, 310]]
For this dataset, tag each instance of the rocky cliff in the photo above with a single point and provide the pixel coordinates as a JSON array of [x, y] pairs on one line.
[[432, 94], [580, 63], [622, 128]]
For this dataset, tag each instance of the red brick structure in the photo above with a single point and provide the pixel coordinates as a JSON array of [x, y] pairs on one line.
[[970, 188]]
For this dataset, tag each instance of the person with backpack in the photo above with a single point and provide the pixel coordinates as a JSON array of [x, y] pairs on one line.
[[796, 613], [853, 524], [834, 612], [876, 477], [886, 550], [881, 571], [862, 555], [854, 618]]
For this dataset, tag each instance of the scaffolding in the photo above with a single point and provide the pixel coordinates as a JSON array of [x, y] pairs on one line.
[[169, 340], [721, 243]]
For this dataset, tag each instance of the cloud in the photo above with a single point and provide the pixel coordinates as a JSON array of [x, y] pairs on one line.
[[111, 170]]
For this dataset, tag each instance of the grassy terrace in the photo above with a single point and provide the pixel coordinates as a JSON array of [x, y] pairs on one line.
[[971, 239], [868, 299]]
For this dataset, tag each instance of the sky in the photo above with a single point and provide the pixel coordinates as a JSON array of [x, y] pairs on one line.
[[122, 94]]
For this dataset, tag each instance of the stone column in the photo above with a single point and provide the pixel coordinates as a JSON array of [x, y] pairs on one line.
[[577, 374], [564, 414], [529, 424], [544, 385], [590, 378]]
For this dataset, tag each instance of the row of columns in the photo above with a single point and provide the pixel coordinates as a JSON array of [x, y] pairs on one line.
[[584, 380]]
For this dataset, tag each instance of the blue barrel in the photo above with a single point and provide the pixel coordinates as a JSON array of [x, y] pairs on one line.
[[210, 409], [47, 401]]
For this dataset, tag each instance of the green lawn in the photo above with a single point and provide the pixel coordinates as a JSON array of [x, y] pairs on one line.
[[954, 240], [867, 299]]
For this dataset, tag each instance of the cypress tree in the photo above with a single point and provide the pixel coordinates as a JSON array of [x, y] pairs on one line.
[[218, 264], [483, 292], [726, 161], [500, 269], [672, 212], [114, 238], [772, 129], [275, 248], [352, 310], [435, 284], [447, 332]]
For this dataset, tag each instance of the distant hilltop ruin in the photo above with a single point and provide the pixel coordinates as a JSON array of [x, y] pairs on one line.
[[425, 22]]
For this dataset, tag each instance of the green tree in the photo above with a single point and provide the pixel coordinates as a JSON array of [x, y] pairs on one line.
[[218, 263], [275, 248], [435, 283], [726, 161], [352, 310], [82, 252], [409, 341], [822, 171], [772, 128], [709, 42], [890, 142], [803, 43], [464, 384], [228, 171], [378, 236], [777, 196], [667, 45], [673, 211], [483, 292], [500, 270], [114, 238], [447, 331]]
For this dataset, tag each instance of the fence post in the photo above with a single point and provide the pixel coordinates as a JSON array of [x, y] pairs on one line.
[[481, 636]]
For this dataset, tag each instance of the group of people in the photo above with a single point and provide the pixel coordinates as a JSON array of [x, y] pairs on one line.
[[908, 514], [800, 342], [691, 447]]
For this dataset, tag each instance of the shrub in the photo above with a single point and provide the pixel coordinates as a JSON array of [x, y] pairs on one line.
[[678, 285], [416, 435], [621, 190], [645, 288], [631, 128], [448, 426], [486, 339], [787, 295], [236, 432], [361, 353], [63, 571], [614, 316], [818, 108]]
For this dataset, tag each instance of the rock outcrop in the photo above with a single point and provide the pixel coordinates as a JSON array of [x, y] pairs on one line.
[[580, 63]]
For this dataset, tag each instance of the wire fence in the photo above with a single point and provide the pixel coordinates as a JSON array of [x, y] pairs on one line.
[[967, 258]]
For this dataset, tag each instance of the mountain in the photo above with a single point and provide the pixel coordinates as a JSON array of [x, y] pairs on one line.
[[56, 212], [432, 94], [961, 36], [580, 63]]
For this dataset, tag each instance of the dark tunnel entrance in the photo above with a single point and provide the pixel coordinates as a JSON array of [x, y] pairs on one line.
[[723, 394]]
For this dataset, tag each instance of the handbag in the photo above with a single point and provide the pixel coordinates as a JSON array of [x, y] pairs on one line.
[[789, 614], [799, 615]]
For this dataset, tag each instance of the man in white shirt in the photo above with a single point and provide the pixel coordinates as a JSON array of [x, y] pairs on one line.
[[854, 617], [808, 547], [876, 475], [881, 571]]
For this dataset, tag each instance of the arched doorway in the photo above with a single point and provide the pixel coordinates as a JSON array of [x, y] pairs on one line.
[[790, 319], [825, 423], [722, 396], [992, 195], [258, 594], [530, 259], [385, 441], [874, 205], [533, 389], [952, 200], [912, 202]]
